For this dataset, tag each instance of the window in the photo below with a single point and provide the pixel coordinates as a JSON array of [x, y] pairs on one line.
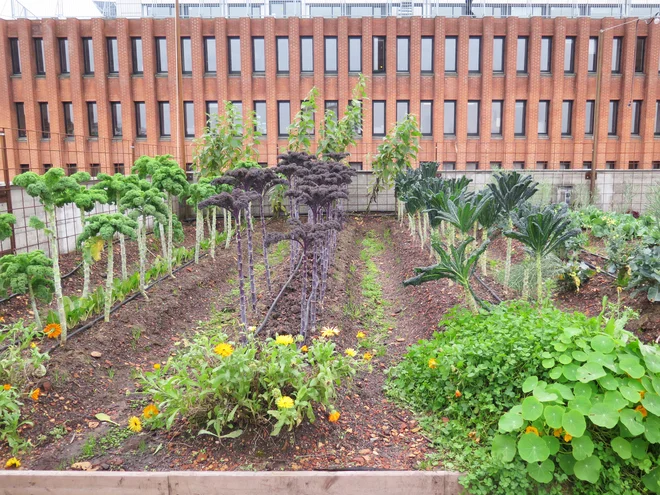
[[541, 165], [117, 129], [519, 165], [15, 56], [161, 55], [88, 56], [592, 56], [283, 118], [636, 117], [94, 169], [610, 165], [473, 118], [546, 55], [92, 119], [45, 121], [190, 172], [258, 56], [470, 166], [164, 118], [450, 118], [612, 117], [358, 128], [589, 117], [378, 117], [307, 54], [640, 54], [235, 56], [402, 54], [40, 58], [67, 111], [427, 51], [520, 118], [495, 165], [498, 54], [617, 43], [402, 109], [544, 117], [656, 165], [474, 54], [586, 165], [451, 53], [113, 56], [24, 167], [656, 129], [569, 55], [448, 166], [355, 165], [332, 106], [20, 120], [119, 168], [633, 165], [355, 54], [211, 112], [521, 55], [186, 56], [426, 118], [65, 65], [496, 118], [566, 117], [47, 166], [138, 61], [282, 44], [330, 54], [189, 119], [260, 111], [564, 165], [379, 54], [140, 119], [210, 60]]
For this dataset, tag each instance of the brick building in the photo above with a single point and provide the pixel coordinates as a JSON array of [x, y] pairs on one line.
[[517, 93]]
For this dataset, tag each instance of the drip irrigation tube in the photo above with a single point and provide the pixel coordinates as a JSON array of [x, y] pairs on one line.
[[492, 292]]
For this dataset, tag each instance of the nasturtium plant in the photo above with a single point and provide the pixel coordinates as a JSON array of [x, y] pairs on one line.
[[599, 410]]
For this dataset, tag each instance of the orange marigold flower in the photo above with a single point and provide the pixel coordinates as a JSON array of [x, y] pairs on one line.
[[304, 348], [150, 411], [532, 429], [53, 330], [557, 432], [6, 386], [458, 393], [433, 364], [334, 416], [643, 410], [367, 356], [35, 394], [568, 437]]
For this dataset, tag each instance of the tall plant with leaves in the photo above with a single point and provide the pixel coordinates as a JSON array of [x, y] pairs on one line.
[[53, 189], [105, 226], [302, 128], [395, 154], [28, 273], [7, 220], [196, 193], [542, 231], [489, 216], [510, 190]]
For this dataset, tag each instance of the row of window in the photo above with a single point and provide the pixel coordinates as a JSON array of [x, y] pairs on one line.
[[331, 55], [378, 117]]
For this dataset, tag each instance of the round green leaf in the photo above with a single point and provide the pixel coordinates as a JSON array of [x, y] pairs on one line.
[[632, 420], [630, 394], [573, 422], [544, 395], [552, 443], [600, 358], [541, 472], [655, 381], [561, 389], [504, 447], [570, 372], [608, 382], [510, 421], [581, 405], [652, 403], [639, 446], [604, 415], [588, 469], [529, 384], [622, 447], [651, 357], [615, 400], [564, 359], [582, 390], [589, 372], [548, 363], [559, 347], [630, 364], [652, 432], [531, 408], [532, 448], [579, 356], [556, 372], [567, 463], [652, 480], [583, 447], [573, 331], [602, 343], [553, 416]]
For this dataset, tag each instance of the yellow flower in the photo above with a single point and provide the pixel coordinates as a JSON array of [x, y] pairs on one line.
[[53, 330], [328, 332], [224, 349], [35, 394], [150, 411], [643, 410], [557, 432], [532, 429], [361, 335], [134, 424], [334, 416], [350, 352], [13, 463], [157, 366], [568, 437], [304, 348], [433, 364], [6, 386], [367, 356], [252, 329], [284, 339], [33, 345], [458, 393], [284, 402]]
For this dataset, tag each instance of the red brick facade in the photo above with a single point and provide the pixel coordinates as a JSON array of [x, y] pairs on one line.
[[414, 86]]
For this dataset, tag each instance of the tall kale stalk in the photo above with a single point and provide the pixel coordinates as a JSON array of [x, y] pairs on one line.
[[196, 194]]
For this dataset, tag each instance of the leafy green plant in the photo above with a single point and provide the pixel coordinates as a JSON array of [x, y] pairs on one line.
[[28, 273], [302, 127], [645, 273], [6, 222], [217, 386]]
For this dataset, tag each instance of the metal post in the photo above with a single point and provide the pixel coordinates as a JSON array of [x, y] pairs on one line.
[[180, 140], [594, 152], [7, 188]]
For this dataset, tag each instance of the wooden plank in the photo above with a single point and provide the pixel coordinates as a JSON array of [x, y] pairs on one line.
[[85, 483]]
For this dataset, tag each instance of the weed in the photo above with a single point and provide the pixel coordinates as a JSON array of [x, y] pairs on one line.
[[137, 333], [58, 431], [111, 373], [95, 447]]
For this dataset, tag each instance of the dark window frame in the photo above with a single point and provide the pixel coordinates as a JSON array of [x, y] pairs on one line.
[[161, 55], [15, 53], [20, 120], [373, 120], [326, 52], [547, 69], [523, 132], [444, 113], [231, 60], [161, 119], [209, 41], [187, 122], [501, 39], [65, 60], [44, 118], [569, 65], [88, 56], [137, 56], [280, 132], [304, 40], [432, 56], [328, 103], [264, 123], [592, 62], [138, 121], [467, 111], [478, 69], [117, 119], [525, 68], [92, 119], [407, 70], [454, 56], [185, 70], [421, 125], [617, 49], [656, 124], [67, 114], [546, 104], [39, 56], [407, 104], [567, 132], [376, 55], [255, 40], [640, 54], [589, 122], [493, 105], [636, 117], [277, 55], [613, 118], [113, 64]]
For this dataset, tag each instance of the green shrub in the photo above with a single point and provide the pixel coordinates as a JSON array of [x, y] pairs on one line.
[[218, 386]]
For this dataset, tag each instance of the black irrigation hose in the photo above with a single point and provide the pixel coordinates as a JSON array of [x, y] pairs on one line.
[[593, 267], [492, 292]]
